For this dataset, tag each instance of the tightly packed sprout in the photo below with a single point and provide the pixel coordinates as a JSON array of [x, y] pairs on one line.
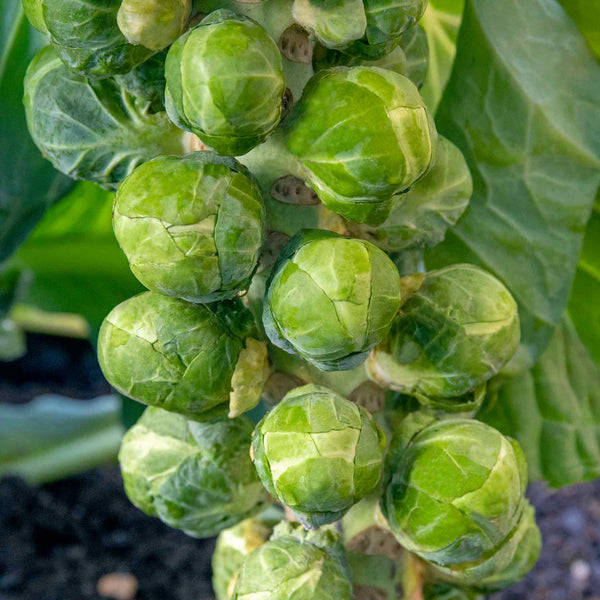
[[330, 299], [200, 240], [457, 327], [230, 99], [154, 24], [278, 176], [295, 564], [456, 497], [318, 453], [194, 476], [362, 134], [198, 360]]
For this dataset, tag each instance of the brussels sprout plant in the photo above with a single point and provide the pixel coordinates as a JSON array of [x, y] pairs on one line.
[[317, 256]]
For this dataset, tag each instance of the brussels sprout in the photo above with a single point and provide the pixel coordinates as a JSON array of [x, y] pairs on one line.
[[193, 359], [92, 129], [330, 299], [191, 227], [459, 327], [225, 83], [318, 453], [410, 58], [296, 564], [456, 493], [86, 36], [154, 24], [420, 217], [197, 477], [367, 28], [363, 134], [33, 11], [234, 544]]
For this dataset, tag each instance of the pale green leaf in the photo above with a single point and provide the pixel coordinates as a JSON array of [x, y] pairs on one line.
[[524, 110], [53, 437]]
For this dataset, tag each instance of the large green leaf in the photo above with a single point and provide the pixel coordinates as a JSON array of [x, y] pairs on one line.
[[522, 105], [586, 14], [553, 410], [76, 262], [28, 183], [584, 304], [441, 22], [53, 437]]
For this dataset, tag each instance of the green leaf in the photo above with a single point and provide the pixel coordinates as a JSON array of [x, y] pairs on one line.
[[525, 113], [53, 437], [77, 264], [586, 14], [28, 183], [441, 22], [584, 304]]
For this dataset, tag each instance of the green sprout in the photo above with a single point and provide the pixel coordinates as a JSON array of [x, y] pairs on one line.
[[330, 299], [455, 496], [296, 564], [197, 477], [362, 134], [154, 24], [198, 360], [199, 241], [318, 454], [456, 329], [225, 83]]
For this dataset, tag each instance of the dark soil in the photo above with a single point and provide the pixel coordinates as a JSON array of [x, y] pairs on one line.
[[58, 540]]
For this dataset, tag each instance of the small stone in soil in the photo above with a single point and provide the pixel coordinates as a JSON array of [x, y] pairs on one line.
[[119, 586]]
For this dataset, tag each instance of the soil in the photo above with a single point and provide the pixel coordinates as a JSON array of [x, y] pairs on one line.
[[57, 541], [60, 539]]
